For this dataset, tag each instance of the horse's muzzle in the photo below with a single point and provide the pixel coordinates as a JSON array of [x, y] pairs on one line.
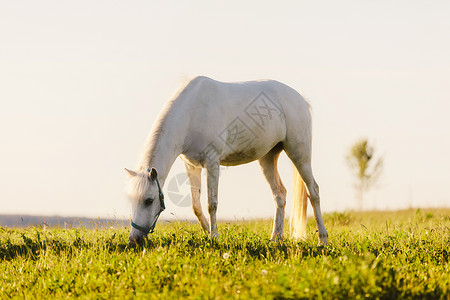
[[135, 239]]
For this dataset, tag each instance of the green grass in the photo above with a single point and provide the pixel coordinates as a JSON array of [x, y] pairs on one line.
[[385, 255]]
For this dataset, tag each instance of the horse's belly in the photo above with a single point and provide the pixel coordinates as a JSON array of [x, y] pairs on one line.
[[231, 154], [248, 147], [240, 157], [228, 157], [245, 143]]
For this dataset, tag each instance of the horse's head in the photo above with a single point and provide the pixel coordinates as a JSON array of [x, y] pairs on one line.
[[147, 202]]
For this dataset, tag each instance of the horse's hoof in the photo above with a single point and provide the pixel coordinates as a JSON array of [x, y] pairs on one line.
[[323, 238], [276, 237]]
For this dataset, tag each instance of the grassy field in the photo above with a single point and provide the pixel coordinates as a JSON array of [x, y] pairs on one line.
[[385, 255]]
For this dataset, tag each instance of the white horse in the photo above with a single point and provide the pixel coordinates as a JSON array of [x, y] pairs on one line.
[[210, 123]]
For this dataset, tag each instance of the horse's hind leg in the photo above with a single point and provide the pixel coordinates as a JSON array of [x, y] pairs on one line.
[[300, 155], [268, 165], [194, 174]]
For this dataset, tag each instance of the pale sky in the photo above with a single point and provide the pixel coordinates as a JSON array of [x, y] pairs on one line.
[[81, 83]]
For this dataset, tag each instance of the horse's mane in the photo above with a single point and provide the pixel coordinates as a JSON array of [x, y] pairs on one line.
[[147, 153]]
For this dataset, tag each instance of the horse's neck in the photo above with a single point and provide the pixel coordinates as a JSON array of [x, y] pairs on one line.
[[164, 145]]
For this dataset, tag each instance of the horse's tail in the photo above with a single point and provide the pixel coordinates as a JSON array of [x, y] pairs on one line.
[[297, 222]]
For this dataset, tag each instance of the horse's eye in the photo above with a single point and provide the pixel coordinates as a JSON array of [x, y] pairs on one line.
[[148, 201]]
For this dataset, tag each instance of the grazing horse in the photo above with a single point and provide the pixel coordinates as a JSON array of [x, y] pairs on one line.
[[210, 123]]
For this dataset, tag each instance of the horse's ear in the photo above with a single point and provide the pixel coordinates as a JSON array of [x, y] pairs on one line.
[[153, 174], [130, 173]]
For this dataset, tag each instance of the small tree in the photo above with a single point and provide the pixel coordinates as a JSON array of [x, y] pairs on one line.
[[364, 166]]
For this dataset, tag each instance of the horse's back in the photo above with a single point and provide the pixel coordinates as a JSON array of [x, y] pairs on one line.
[[230, 97]]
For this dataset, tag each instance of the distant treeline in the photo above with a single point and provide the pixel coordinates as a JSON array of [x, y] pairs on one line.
[[57, 221]]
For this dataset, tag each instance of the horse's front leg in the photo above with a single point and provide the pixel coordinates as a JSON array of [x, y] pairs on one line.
[[195, 180], [212, 182]]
